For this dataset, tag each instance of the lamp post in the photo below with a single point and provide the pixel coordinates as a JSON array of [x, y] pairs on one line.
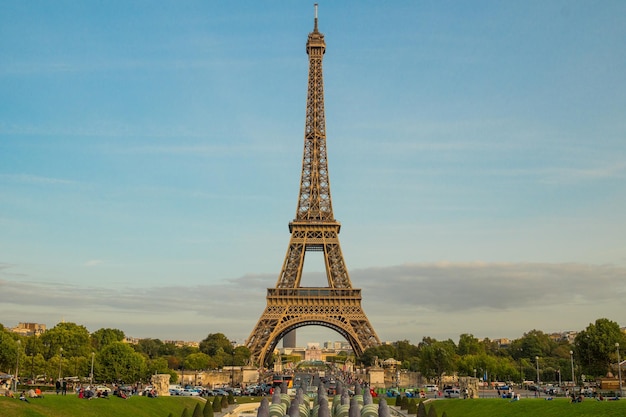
[[91, 373], [60, 361], [571, 356], [17, 363], [619, 369], [232, 365], [537, 362]]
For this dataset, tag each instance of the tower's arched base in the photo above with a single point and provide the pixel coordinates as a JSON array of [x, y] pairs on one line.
[[290, 308]]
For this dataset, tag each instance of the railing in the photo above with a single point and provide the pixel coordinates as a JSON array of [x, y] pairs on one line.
[[314, 292]]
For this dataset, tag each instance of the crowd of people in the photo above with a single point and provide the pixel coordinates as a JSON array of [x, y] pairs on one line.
[[88, 392]]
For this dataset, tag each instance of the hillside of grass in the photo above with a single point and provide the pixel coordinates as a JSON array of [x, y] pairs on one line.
[[72, 406], [529, 407]]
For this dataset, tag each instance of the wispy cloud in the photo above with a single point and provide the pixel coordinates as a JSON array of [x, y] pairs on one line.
[[438, 299], [35, 179]]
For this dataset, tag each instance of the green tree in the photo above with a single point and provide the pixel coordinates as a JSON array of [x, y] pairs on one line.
[[74, 339], [197, 361], [119, 362], [469, 345], [421, 410], [217, 404], [431, 411], [412, 408], [532, 344], [185, 413], [208, 409], [405, 350], [437, 358], [382, 352], [197, 411], [404, 402], [8, 350], [242, 355], [103, 337], [595, 346], [212, 344], [225, 402]]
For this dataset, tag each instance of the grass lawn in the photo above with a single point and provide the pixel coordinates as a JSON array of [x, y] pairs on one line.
[[71, 405], [531, 407]]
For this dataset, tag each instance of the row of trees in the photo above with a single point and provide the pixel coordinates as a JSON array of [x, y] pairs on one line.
[[593, 354], [68, 349]]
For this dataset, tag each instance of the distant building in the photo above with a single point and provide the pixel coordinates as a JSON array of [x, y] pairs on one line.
[[131, 340], [503, 342], [313, 352], [29, 329], [566, 336], [182, 343]]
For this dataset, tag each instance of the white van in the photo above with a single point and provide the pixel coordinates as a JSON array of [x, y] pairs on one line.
[[452, 393]]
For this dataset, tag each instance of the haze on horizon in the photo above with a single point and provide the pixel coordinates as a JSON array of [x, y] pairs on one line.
[[150, 159]]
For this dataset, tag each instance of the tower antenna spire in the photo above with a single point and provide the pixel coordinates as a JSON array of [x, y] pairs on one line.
[[315, 28]]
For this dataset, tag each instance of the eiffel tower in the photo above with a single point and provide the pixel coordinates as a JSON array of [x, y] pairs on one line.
[[289, 305]]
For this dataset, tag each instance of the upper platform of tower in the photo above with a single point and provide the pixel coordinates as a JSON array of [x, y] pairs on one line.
[[316, 38]]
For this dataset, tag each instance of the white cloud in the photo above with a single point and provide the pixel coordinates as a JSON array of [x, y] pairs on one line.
[[440, 300]]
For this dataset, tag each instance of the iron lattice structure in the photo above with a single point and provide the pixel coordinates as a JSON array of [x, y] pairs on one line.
[[290, 306]]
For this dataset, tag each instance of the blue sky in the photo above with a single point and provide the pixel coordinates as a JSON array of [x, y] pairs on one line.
[[150, 156]]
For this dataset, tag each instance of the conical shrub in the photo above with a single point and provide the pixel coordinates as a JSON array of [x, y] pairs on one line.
[[421, 410], [217, 404], [208, 409], [197, 411], [404, 403], [185, 413], [412, 408], [225, 402], [432, 412]]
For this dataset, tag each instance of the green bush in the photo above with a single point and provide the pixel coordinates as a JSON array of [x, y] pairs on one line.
[[197, 411], [208, 409], [421, 410], [412, 408], [404, 403], [217, 404]]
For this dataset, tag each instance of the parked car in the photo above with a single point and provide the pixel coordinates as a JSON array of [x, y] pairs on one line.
[[189, 392], [452, 393]]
